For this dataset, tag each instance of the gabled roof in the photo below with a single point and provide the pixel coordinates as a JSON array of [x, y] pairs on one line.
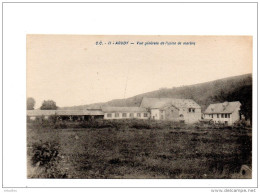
[[226, 107], [108, 109], [162, 102]]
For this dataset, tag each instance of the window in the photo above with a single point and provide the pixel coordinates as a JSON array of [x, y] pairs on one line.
[[228, 115], [225, 115], [212, 115], [109, 115], [124, 115], [217, 115], [191, 110], [117, 115], [222, 115], [131, 114], [145, 115], [138, 114]]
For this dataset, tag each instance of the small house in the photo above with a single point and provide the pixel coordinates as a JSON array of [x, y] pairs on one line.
[[226, 113]]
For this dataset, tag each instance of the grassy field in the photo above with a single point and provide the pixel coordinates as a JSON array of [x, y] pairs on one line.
[[136, 149]]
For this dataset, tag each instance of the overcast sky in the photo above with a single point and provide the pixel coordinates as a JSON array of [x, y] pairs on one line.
[[73, 70]]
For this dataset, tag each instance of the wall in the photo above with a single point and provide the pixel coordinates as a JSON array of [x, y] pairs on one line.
[[171, 113], [155, 114], [46, 117], [235, 115], [190, 117], [220, 119], [32, 118], [127, 116]]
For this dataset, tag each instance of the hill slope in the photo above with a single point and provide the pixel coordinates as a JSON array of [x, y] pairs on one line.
[[203, 93]]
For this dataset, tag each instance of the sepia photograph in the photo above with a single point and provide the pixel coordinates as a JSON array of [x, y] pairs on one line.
[[139, 107]]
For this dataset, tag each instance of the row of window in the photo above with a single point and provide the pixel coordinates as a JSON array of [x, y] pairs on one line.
[[125, 115], [221, 115], [191, 110]]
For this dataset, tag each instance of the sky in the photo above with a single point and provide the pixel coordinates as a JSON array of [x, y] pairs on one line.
[[74, 70]]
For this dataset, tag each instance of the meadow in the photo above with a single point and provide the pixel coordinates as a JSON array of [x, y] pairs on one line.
[[139, 149]]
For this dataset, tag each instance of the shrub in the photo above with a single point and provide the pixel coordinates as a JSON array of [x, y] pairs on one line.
[[44, 153], [240, 123], [45, 157]]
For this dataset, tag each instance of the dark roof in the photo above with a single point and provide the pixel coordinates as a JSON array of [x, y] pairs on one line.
[[226, 107], [123, 109], [162, 102]]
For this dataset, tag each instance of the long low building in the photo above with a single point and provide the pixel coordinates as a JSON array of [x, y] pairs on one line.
[[184, 110], [125, 113], [66, 114]]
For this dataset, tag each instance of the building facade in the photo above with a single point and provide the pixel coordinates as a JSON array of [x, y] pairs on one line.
[[184, 110], [125, 113], [225, 113]]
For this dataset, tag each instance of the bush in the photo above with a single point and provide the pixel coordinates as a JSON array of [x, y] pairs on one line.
[[52, 123], [240, 123], [45, 157], [44, 153]]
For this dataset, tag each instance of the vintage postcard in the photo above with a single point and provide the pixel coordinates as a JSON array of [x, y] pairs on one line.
[[139, 107]]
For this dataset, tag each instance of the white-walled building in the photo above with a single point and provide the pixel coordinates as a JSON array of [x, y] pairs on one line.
[[227, 112], [186, 110], [125, 113]]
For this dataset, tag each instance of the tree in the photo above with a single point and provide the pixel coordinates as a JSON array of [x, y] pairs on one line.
[[30, 103], [246, 101], [49, 105], [242, 94]]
